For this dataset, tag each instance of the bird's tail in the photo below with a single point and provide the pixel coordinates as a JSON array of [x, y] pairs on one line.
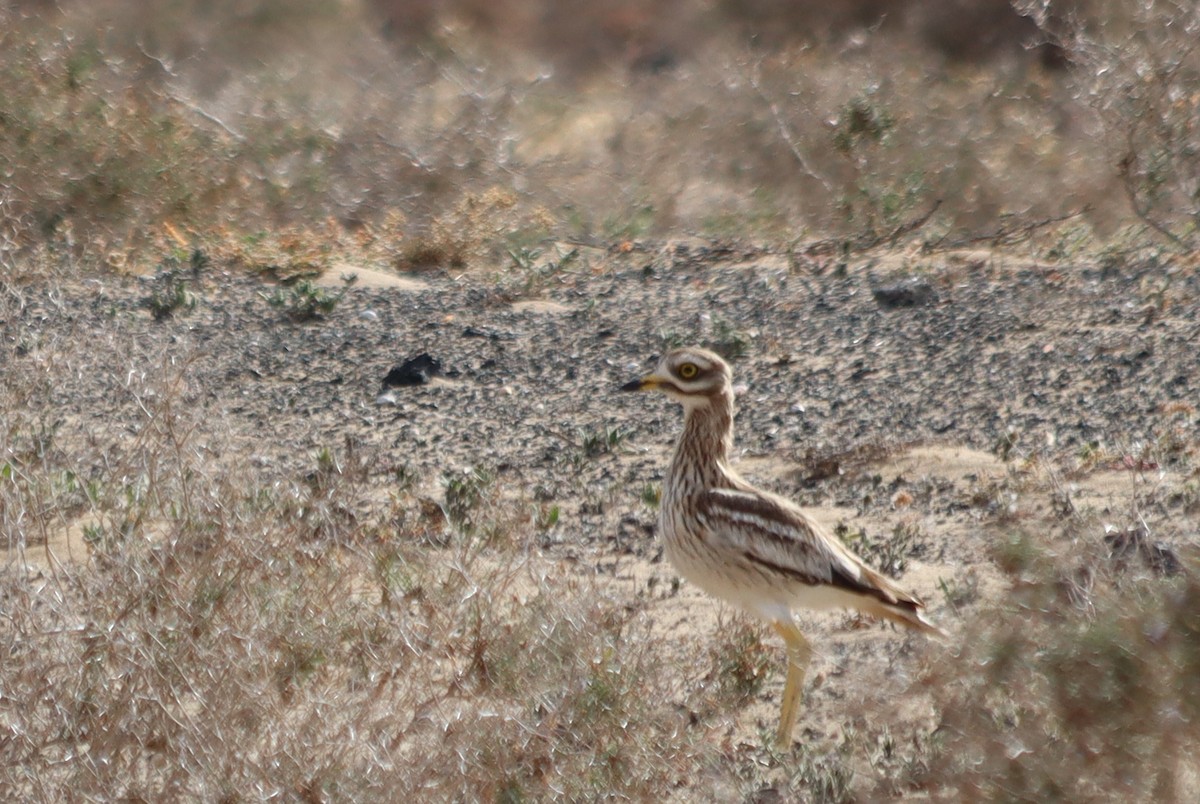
[[908, 613]]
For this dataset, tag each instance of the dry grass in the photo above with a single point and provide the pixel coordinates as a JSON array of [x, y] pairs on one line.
[[1081, 688], [1078, 685], [235, 636], [161, 121], [1137, 67]]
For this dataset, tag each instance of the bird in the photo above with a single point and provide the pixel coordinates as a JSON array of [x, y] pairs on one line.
[[749, 547]]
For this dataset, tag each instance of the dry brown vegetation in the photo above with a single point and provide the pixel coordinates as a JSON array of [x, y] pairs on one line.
[[237, 639], [233, 119], [223, 630]]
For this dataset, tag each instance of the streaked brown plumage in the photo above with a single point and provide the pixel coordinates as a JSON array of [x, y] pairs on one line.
[[747, 546]]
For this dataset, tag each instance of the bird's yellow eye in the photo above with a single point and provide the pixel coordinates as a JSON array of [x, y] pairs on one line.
[[688, 370]]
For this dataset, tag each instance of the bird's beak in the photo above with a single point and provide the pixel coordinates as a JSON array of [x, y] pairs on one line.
[[647, 383]]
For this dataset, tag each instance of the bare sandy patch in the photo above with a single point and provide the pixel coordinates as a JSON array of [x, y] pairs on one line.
[[543, 306], [954, 463], [61, 546], [370, 278], [1113, 489]]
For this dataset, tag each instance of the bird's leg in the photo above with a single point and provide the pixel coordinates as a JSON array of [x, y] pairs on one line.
[[799, 652]]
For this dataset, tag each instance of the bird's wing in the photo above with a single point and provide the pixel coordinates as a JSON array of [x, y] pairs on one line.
[[771, 531]]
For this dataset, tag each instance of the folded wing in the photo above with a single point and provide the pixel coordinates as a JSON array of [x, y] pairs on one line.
[[771, 531]]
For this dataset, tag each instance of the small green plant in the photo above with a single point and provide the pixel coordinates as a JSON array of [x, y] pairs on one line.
[[596, 443], [1019, 554], [1005, 443], [465, 492], [631, 224], [395, 576], [328, 470], [546, 517], [298, 661], [672, 339], [525, 260], [93, 535], [887, 555], [404, 477], [651, 495], [725, 338], [172, 294], [862, 120], [1070, 243], [821, 777], [305, 300], [1090, 455], [174, 298], [40, 442]]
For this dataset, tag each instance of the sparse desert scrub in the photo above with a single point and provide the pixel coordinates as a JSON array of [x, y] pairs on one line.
[[1083, 686], [162, 121], [222, 633], [1137, 66]]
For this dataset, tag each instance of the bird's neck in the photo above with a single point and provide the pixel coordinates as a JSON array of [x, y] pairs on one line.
[[706, 441]]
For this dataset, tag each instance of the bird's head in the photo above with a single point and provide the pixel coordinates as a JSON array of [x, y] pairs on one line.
[[693, 376]]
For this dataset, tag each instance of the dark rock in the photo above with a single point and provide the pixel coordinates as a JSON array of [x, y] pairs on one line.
[[418, 370], [906, 293]]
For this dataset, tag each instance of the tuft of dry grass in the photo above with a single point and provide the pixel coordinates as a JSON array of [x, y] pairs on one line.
[[1083, 687], [1137, 66], [1080, 684], [741, 661]]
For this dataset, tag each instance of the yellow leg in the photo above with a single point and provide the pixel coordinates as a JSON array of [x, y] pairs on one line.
[[799, 652]]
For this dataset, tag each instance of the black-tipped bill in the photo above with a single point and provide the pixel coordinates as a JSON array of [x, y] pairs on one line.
[[647, 383]]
